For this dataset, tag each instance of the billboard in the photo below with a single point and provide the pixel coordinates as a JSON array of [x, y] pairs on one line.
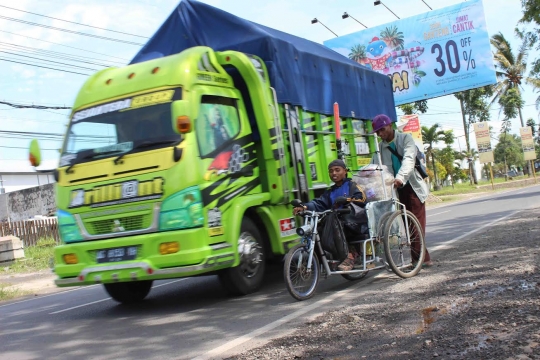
[[433, 54], [527, 142], [483, 141], [411, 124]]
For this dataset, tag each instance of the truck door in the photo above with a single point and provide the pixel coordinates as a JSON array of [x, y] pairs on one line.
[[226, 150]]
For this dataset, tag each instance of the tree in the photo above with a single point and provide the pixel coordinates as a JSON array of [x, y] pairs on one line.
[[531, 15], [430, 137], [470, 156], [474, 108], [447, 159], [393, 38], [358, 53], [508, 151], [510, 71], [414, 107]]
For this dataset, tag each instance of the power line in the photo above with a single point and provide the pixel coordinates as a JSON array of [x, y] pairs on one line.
[[49, 61], [73, 22], [70, 31], [45, 67], [56, 54], [71, 47], [41, 107]]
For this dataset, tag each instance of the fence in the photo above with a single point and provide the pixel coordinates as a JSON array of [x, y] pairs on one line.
[[30, 231]]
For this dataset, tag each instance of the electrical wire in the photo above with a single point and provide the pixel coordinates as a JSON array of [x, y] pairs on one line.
[[51, 61], [73, 22], [56, 54], [45, 67], [70, 31], [41, 107], [71, 47]]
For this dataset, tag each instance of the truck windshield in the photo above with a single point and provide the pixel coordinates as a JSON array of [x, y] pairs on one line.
[[114, 133]]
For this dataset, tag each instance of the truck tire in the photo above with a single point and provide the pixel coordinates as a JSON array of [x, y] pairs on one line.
[[248, 276], [129, 292]]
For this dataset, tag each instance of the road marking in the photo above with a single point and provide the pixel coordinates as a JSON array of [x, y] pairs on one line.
[[79, 306], [98, 301], [49, 295], [256, 333], [449, 242], [439, 213]]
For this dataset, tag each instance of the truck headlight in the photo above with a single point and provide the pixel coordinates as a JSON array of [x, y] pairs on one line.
[[182, 210], [69, 231]]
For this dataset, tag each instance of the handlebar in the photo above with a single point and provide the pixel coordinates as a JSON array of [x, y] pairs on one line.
[[322, 213]]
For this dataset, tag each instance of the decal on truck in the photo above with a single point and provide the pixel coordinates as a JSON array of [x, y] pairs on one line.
[[118, 193], [215, 226], [287, 227]]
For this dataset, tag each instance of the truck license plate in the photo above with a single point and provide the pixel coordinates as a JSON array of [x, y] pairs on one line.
[[116, 254]]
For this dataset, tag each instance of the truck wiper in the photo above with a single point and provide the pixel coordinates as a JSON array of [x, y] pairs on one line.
[[144, 144], [86, 154]]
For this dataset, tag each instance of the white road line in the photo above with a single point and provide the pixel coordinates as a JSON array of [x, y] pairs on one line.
[[449, 242], [98, 301], [49, 295], [79, 306], [242, 339], [170, 282], [439, 213]]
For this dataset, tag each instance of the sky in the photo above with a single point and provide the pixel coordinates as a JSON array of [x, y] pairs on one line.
[[76, 56]]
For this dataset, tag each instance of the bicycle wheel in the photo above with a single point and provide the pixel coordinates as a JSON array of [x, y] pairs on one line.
[[301, 282], [404, 257]]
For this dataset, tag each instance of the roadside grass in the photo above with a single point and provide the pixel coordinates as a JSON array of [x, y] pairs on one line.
[[467, 188], [9, 293], [36, 258]]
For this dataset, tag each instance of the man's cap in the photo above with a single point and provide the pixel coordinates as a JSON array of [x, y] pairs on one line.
[[337, 162], [379, 122]]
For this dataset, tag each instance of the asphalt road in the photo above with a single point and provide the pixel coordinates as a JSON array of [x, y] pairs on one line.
[[194, 318]]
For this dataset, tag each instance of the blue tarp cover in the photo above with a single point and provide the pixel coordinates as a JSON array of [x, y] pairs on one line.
[[302, 72]]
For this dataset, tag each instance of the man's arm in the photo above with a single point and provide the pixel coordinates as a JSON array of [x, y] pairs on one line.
[[409, 157]]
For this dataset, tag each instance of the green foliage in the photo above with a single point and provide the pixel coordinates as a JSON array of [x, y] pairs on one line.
[[531, 15], [36, 257], [430, 137], [511, 70], [416, 107], [509, 148]]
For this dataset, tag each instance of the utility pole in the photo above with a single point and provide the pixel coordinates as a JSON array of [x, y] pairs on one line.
[[466, 130]]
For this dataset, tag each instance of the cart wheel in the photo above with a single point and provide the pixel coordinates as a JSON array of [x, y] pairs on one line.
[[398, 250], [301, 282], [355, 276]]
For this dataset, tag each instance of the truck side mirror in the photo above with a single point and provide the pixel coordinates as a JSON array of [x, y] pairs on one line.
[[34, 153]]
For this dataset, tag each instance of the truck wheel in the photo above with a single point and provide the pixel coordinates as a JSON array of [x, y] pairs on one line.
[[247, 277], [129, 292]]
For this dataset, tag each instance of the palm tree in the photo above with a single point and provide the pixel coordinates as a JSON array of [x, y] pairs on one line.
[[471, 156], [358, 53], [430, 137], [510, 70], [393, 38]]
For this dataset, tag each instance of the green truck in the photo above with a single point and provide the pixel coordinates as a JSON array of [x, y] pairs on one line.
[[185, 163]]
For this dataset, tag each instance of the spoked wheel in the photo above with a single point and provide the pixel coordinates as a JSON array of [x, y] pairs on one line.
[[404, 257], [301, 281]]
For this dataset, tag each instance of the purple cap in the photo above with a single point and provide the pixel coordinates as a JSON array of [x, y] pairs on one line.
[[379, 122]]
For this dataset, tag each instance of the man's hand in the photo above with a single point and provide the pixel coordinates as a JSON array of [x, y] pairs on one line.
[[298, 209], [398, 183]]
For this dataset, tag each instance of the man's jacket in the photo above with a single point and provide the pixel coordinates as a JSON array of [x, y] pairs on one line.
[[348, 189], [405, 147]]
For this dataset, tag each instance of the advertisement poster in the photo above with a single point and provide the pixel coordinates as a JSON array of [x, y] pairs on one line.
[[433, 54], [411, 124], [527, 142], [483, 141]]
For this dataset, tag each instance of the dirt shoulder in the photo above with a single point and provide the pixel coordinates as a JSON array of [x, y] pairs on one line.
[[480, 301]]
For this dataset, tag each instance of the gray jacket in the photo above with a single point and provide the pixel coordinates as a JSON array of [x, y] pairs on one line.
[[406, 147]]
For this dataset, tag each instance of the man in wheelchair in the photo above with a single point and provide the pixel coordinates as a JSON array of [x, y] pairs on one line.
[[343, 186]]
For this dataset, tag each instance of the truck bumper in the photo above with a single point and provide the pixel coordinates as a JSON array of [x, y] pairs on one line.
[[149, 264]]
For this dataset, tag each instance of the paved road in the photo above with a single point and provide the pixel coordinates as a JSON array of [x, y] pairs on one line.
[[193, 318]]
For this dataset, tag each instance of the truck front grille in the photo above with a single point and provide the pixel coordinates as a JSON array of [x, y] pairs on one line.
[[108, 226]]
